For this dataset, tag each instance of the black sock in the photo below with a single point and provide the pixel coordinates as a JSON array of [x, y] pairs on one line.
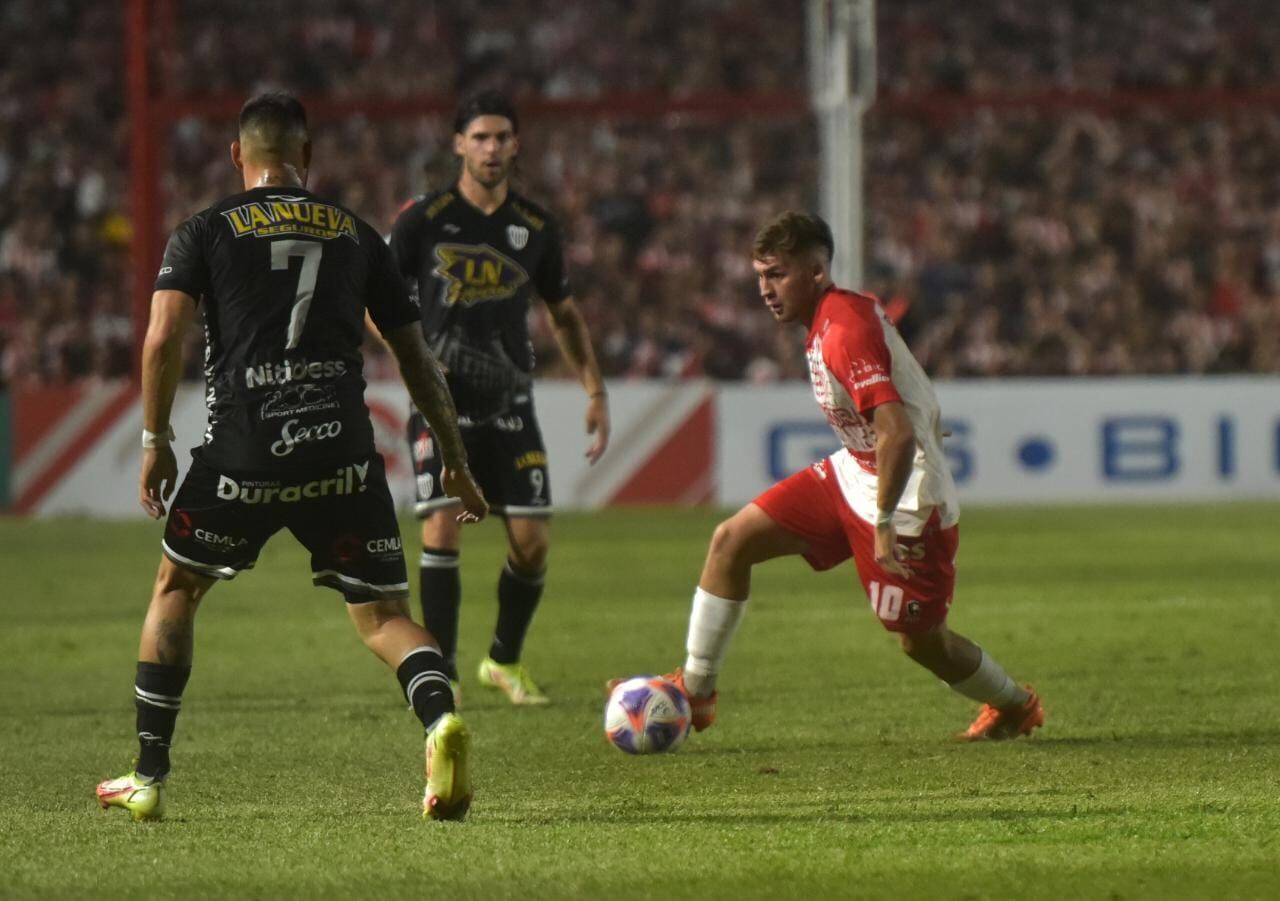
[[158, 697], [518, 597], [426, 686], [441, 592]]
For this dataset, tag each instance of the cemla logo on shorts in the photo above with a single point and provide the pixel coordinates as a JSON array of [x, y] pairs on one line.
[[390, 545], [214, 540], [293, 371], [350, 479]]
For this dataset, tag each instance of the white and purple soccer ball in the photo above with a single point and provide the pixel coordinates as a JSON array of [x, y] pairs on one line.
[[647, 715]]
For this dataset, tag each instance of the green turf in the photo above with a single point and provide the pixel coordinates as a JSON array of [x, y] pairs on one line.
[[1152, 634]]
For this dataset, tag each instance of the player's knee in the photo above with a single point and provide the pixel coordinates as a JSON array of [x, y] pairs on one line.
[[176, 585], [736, 541], [441, 530], [371, 616], [726, 540], [529, 557]]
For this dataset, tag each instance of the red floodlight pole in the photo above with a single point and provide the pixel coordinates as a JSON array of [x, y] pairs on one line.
[[144, 250]]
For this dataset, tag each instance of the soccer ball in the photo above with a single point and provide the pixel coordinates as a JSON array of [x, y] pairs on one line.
[[647, 715]]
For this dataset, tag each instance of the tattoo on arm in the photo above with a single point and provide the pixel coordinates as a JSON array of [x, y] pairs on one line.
[[430, 392]]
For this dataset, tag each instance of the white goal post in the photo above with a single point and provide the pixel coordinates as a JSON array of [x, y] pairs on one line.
[[842, 86]]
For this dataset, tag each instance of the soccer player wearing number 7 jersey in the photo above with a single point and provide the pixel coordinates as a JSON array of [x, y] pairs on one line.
[[284, 279], [886, 498]]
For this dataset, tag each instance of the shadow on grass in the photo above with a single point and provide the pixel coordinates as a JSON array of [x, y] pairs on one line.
[[1232, 738], [798, 817]]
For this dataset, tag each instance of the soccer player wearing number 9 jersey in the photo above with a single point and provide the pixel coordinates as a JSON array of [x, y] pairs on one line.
[[479, 255], [886, 498], [284, 279]]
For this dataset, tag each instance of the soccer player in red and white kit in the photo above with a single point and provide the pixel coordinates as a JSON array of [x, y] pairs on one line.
[[886, 498]]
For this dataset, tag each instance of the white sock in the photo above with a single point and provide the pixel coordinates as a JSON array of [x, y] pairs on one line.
[[711, 626], [992, 685]]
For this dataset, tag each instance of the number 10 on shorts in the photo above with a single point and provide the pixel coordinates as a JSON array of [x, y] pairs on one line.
[[886, 601]]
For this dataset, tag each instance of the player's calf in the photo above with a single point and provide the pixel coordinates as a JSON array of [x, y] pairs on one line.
[[1008, 710], [949, 656]]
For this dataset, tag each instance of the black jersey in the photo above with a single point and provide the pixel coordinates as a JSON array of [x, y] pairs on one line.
[[475, 275], [284, 279]]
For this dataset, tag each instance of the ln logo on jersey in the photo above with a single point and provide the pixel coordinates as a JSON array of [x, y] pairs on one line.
[[518, 235], [474, 274]]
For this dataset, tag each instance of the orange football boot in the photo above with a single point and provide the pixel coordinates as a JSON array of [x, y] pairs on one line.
[[997, 725], [702, 710]]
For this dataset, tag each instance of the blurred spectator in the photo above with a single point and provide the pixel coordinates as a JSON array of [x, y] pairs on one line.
[[1010, 242]]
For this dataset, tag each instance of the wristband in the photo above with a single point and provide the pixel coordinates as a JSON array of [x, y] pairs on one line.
[[158, 439], [884, 518], [601, 393]]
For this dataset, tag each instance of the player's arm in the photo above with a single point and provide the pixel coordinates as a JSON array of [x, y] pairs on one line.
[[574, 339], [372, 328], [430, 393], [551, 279], [403, 242], [856, 352], [182, 280], [171, 315], [895, 453], [895, 456]]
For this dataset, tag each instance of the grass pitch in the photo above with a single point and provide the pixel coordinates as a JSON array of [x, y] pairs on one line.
[[1152, 633]]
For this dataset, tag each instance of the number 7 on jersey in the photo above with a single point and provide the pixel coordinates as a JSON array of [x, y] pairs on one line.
[[310, 251]]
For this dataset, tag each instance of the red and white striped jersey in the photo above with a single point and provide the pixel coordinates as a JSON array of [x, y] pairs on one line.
[[857, 361]]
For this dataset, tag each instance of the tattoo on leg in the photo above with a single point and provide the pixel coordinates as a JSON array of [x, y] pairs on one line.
[[175, 640]]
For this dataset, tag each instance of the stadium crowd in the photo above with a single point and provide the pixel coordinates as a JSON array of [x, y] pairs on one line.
[[1054, 240]]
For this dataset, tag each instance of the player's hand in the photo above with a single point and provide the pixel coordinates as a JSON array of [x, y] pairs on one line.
[[458, 482], [598, 425], [888, 554], [156, 483]]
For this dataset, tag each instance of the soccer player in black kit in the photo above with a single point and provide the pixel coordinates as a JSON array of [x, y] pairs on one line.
[[284, 279], [477, 252]]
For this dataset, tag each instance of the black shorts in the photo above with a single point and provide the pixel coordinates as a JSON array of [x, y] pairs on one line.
[[506, 456], [218, 523]]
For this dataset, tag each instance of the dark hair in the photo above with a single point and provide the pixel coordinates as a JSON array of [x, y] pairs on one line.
[[274, 115], [793, 232], [486, 103]]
